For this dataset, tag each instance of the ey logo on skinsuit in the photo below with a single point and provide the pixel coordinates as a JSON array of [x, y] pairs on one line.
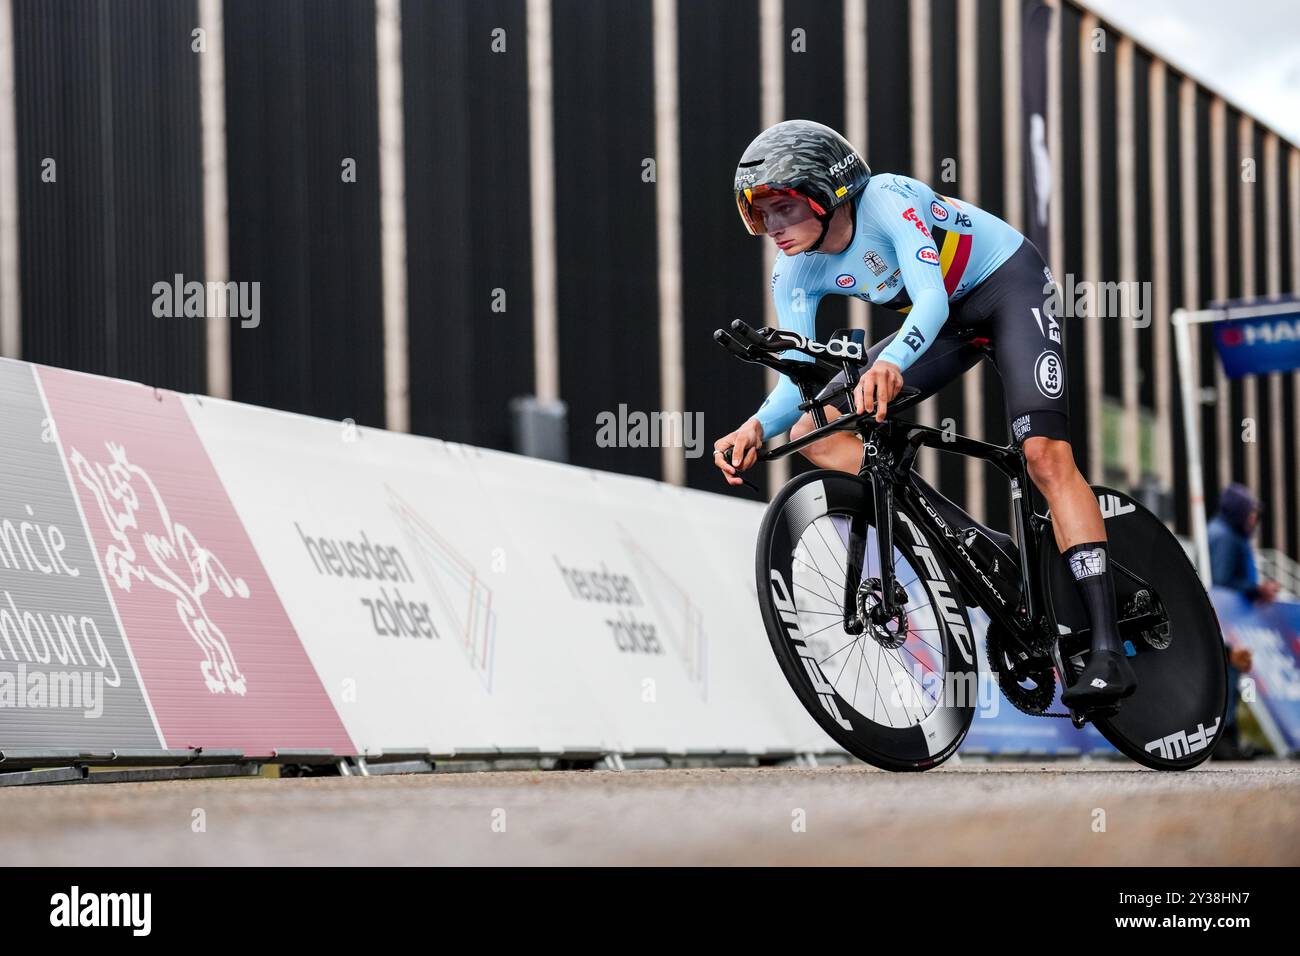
[[1050, 331], [166, 555]]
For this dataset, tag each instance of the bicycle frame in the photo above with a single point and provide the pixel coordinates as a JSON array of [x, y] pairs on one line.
[[889, 453]]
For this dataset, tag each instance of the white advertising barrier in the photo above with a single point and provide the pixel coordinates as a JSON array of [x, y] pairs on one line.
[[681, 657], [454, 599]]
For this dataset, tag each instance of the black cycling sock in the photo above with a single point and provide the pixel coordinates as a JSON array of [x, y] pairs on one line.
[[1090, 564]]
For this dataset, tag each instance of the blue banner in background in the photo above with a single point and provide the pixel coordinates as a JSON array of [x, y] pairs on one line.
[[1271, 632], [1259, 344]]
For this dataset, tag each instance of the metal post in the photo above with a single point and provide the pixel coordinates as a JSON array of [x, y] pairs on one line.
[[1182, 319], [1192, 440]]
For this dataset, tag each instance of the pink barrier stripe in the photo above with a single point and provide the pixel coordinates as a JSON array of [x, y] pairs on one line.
[[218, 656]]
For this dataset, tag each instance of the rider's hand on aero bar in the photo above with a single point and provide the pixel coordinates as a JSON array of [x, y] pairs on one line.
[[738, 451], [882, 384], [878, 386]]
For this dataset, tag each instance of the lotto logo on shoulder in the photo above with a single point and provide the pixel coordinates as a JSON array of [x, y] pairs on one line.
[[911, 216], [845, 281], [928, 254], [938, 212]]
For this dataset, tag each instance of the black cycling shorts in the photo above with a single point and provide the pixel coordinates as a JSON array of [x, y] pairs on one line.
[[1004, 319]]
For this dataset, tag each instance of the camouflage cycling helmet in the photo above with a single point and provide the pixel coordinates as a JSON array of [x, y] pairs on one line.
[[803, 160]]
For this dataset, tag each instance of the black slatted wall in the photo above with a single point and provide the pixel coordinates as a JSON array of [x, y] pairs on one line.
[[1071, 255], [889, 109], [300, 100], [465, 103], [1169, 243], [948, 176], [109, 94], [992, 197], [606, 238], [722, 266], [1108, 144], [1145, 225], [1205, 274]]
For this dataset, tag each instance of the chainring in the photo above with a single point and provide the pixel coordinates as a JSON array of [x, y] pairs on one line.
[[1034, 700]]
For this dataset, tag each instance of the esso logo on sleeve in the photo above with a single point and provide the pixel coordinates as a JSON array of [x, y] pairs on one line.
[[928, 254], [845, 281], [938, 212]]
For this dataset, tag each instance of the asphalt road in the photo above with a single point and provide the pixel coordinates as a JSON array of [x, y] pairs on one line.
[[1012, 814]]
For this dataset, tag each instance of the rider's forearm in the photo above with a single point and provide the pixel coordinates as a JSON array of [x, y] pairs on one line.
[[780, 410], [929, 312]]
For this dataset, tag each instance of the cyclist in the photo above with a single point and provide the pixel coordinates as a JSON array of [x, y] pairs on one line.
[[968, 286]]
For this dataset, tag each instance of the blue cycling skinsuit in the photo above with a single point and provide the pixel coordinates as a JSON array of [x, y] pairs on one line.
[[968, 286]]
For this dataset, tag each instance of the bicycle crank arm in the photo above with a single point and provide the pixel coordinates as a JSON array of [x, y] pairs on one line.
[[1128, 627]]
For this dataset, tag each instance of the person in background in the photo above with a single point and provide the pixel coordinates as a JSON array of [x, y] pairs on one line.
[[1232, 566]]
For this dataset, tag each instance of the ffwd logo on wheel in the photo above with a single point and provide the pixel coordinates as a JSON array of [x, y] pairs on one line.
[[790, 618]]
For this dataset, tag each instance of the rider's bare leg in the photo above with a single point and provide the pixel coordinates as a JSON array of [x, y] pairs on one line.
[[1076, 516], [841, 451], [1081, 536]]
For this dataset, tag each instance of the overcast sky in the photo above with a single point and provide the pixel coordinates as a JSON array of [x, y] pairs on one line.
[[1248, 50]]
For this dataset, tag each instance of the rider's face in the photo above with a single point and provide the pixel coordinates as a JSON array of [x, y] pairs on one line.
[[796, 237]]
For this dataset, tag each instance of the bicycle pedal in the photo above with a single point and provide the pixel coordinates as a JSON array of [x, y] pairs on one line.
[[1101, 710]]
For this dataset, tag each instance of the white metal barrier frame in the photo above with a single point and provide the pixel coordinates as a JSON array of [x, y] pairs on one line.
[[1182, 319]]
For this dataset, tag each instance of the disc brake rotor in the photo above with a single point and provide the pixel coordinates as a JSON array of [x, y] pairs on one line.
[[871, 613]]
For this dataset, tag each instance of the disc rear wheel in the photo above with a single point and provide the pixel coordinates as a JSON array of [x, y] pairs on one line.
[[1173, 719]]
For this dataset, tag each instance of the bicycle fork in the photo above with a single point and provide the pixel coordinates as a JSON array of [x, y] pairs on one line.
[[888, 606]]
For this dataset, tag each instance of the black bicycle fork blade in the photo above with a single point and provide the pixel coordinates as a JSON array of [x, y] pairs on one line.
[[853, 566], [883, 498]]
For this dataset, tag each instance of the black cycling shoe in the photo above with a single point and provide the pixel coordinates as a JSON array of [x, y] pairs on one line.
[[1108, 677]]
